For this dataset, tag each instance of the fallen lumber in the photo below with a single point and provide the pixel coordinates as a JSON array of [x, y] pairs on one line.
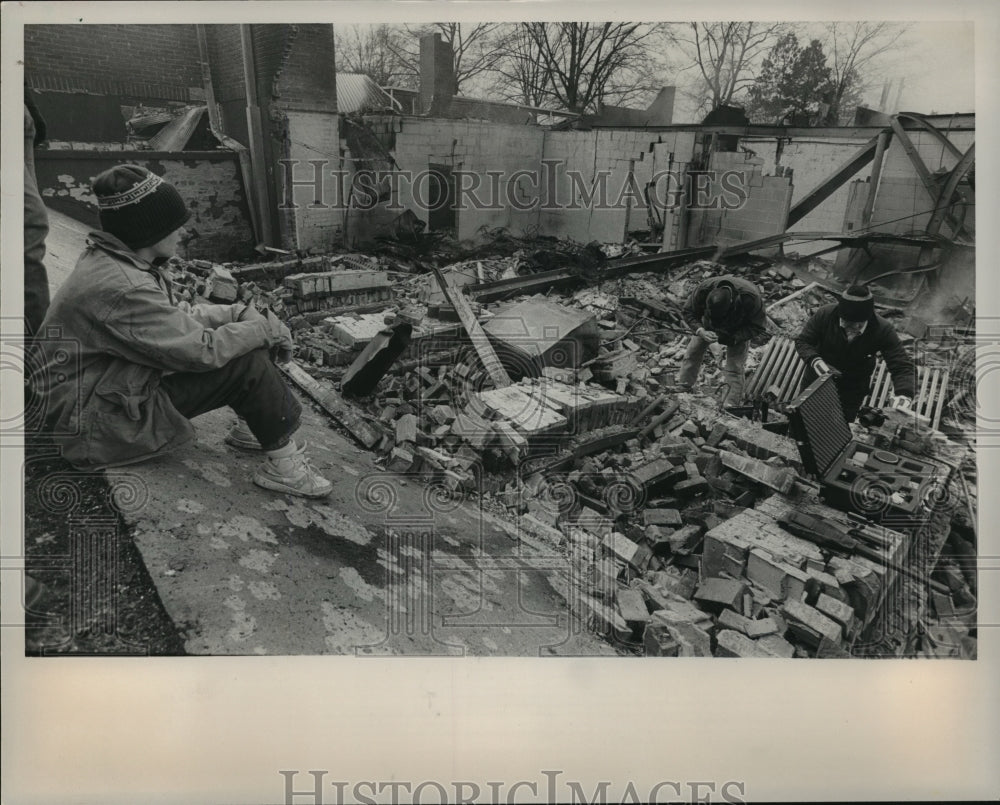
[[333, 404], [480, 341]]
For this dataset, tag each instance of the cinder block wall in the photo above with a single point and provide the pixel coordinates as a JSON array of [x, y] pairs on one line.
[[901, 203], [812, 162], [471, 147], [151, 62], [587, 154]]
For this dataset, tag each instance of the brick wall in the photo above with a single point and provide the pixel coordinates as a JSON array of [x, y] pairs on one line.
[[307, 78], [225, 57], [149, 62], [210, 185]]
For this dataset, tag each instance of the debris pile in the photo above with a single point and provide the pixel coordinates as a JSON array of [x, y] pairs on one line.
[[670, 511], [683, 546]]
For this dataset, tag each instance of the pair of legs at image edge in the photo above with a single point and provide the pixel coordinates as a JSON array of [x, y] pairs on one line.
[[268, 416], [732, 370]]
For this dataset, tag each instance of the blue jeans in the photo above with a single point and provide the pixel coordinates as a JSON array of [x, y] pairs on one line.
[[251, 385], [732, 370]]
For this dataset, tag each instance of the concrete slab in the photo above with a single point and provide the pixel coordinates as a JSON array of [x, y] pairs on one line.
[[385, 565]]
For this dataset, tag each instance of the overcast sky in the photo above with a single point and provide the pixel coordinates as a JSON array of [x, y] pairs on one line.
[[939, 67], [935, 61]]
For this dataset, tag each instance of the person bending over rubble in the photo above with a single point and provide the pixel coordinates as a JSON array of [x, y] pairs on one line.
[[147, 366], [843, 338], [728, 310]]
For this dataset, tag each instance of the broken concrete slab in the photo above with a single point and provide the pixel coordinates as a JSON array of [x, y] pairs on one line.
[[241, 589], [538, 332]]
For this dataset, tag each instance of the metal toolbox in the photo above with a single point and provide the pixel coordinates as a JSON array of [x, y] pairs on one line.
[[895, 489]]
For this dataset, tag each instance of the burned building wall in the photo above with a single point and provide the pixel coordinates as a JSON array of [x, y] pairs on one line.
[[811, 162], [134, 62], [605, 156], [902, 204], [305, 92], [473, 148], [219, 228]]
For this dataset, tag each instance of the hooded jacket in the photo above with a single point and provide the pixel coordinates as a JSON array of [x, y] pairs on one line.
[[823, 337], [111, 332], [745, 320]]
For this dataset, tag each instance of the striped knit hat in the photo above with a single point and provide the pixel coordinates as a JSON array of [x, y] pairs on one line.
[[137, 206], [856, 304]]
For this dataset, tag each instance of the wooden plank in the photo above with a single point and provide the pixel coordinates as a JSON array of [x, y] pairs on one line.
[[334, 405], [480, 341], [828, 187]]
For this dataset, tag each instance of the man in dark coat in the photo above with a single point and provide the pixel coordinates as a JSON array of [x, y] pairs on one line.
[[725, 310], [844, 337]]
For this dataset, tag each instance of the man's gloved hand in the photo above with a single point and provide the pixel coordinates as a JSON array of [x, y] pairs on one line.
[[280, 338], [245, 312], [902, 402], [708, 335], [821, 367]]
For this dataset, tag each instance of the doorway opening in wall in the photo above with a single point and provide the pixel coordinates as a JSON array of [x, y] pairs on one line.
[[441, 214]]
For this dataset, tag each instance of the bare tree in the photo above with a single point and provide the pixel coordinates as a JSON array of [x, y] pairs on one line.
[[852, 47], [577, 65], [372, 50], [725, 56], [520, 77]]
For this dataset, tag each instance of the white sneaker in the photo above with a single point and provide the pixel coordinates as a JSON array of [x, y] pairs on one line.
[[294, 475], [241, 436]]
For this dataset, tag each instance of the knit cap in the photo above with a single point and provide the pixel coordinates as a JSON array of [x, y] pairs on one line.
[[137, 206], [719, 302], [856, 304]]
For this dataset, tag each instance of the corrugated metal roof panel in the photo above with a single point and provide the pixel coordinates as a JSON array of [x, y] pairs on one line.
[[357, 92]]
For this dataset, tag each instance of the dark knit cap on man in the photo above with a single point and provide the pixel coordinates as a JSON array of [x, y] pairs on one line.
[[137, 206], [719, 302], [856, 304]]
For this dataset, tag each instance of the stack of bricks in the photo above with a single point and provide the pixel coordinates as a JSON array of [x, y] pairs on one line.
[[309, 292]]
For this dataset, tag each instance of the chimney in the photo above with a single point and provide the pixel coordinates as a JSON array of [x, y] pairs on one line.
[[437, 75]]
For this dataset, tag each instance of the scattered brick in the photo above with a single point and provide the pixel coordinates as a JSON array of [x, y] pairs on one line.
[[658, 641], [632, 606], [729, 619], [730, 643], [775, 645], [761, 627], [721, 593], [809, 624], [662, 517]]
